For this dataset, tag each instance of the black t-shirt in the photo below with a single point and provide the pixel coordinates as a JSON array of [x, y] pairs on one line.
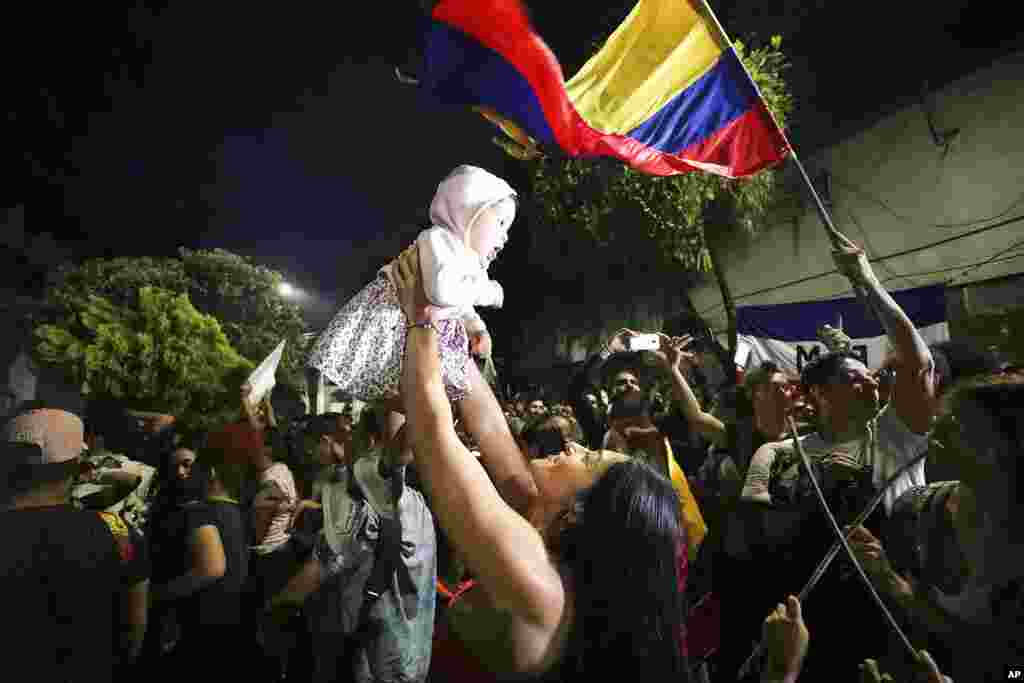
[[218, 604], [167, 542], [61, 576]]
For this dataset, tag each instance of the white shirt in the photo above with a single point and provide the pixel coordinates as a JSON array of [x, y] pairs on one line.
[[454, 278], [893, 446]]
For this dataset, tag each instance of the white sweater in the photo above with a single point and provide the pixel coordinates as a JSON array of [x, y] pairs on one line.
[[454, 279]]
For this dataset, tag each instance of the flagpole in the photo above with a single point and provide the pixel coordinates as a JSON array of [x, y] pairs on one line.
[[823, 213], [837, 242], [826, 218]]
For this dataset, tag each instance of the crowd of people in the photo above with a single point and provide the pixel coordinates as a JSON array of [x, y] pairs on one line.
[[444, 535]]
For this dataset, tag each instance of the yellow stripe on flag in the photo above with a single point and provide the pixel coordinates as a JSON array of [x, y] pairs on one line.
[[693, 520], [661, 49]]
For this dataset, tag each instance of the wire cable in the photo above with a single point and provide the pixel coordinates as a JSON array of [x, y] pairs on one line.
[[870, 248], [905, 252], [805, 460], [846, 546], [826, 561], [949, 282], [864, 194], [1012, 247]]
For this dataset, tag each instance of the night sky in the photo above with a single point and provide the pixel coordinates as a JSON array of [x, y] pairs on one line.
[[280, 132]]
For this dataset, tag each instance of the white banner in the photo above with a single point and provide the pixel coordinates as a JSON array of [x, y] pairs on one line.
[[787, 334]]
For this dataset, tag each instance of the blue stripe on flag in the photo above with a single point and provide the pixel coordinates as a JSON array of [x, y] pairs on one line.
[[711, 103], [461, 71]]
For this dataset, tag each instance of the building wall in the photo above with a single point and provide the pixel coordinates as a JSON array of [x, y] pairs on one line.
[[893, 189]]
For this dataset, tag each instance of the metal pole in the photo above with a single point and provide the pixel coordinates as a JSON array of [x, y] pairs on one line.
[[826, 217], [823, 213]]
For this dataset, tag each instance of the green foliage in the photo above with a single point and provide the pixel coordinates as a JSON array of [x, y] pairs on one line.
[[160, 354], [1000, 329], [608, 203], [241, 295], [244, 297]]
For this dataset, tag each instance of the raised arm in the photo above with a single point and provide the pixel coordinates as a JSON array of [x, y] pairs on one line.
[[755, 487], [502, 549], [269, 408], [249, 412], [913, 399], [766, 522], [672, 354], [207, 563], [451, 276]]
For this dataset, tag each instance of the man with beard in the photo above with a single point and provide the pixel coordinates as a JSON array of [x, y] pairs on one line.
[[855, 449]]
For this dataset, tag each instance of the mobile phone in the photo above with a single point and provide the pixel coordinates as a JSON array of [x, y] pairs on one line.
[[644, 342]]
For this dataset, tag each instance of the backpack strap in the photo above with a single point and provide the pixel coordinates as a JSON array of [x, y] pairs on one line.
[[386, 559]]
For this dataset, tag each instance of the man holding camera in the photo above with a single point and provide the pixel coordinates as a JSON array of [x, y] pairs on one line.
[[630, 426], [673, 358]]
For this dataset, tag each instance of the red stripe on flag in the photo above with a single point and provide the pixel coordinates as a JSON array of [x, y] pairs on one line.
[[503, 26], [745, 146]]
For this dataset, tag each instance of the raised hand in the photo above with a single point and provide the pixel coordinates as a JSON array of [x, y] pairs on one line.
[[787, 639], [405, 275], [480, 345], [619, 343], [679, 345], [926, 671], [872, 557], [852, 261], [870, 673]]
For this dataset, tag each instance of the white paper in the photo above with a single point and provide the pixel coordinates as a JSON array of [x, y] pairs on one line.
[[263, 378]]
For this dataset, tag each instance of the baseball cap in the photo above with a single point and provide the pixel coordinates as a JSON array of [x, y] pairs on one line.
[[57, 434]]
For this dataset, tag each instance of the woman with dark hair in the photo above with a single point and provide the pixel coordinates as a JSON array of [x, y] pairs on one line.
[[625, 605], [212, 566], [173, 490], [589, 586]]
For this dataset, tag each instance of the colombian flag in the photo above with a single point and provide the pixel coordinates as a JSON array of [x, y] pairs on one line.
[[664, 94]]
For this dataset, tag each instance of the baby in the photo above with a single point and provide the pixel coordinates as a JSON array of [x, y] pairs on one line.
[[361, 350]]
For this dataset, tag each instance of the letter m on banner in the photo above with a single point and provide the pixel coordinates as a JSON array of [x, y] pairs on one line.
[[788, 333], [805, 354]]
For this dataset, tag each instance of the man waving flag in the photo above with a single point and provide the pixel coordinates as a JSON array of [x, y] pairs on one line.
[[666, 94]]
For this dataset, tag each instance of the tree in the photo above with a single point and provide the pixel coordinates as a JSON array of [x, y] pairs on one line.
[[241, 295], [592, 196], [688, 219], [160, 355]]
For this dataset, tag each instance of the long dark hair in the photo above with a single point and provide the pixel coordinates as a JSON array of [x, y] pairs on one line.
[[212, 463], [168, 490], [624, 554]]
